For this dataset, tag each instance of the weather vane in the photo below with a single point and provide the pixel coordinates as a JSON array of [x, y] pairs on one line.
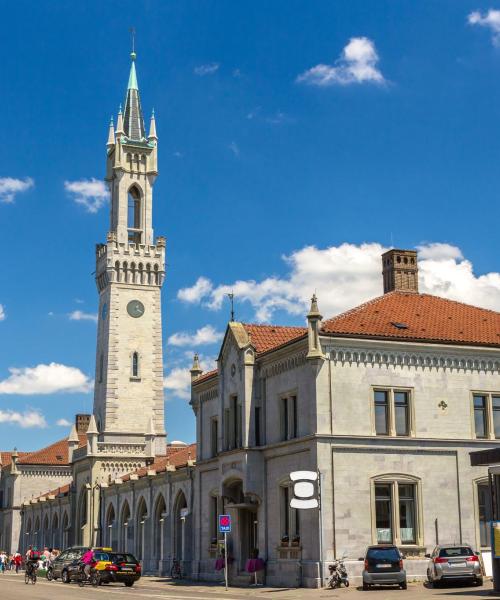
[[231, 299]]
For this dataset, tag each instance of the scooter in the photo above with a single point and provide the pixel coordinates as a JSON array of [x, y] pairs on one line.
[[338, 574]]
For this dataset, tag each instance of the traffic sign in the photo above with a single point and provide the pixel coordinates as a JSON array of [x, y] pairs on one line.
[[225, 523]]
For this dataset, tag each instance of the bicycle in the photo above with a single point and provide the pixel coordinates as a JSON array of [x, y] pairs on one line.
[[92, 579], [30, 574], [176, 571]]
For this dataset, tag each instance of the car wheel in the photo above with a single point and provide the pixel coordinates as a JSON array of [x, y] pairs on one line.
[[403, 585], [365, 586], [129, 583], [65, 577]]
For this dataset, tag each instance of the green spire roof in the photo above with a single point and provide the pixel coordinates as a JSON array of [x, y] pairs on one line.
[[133, 119]]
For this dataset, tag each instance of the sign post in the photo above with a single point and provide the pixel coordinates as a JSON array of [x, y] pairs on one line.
[[225, 528], [307, 495]]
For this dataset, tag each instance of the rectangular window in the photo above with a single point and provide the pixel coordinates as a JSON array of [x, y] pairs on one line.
[[495, 405], [290, 519], [480, 416], [293, 401], [407, 513], [257, 425], [214, 520], [484, 510], [284, 418], [401, 415], [214, 434], [383, 512], [381, 412], [227, 430]]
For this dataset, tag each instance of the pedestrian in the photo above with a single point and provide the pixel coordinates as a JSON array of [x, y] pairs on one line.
[[3, 558], [18, 559]]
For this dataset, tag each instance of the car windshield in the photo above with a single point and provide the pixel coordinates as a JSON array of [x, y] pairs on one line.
[[383, 554], [455, 551], [127, 558], [101, 556]]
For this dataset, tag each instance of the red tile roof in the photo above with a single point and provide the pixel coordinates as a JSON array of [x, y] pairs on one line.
[[270, 337], [207, 375], [60, 491], [418, 317], [55, 454], [6, 458], [177, 456]]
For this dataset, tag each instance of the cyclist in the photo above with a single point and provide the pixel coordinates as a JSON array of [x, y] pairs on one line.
[[32, 558], [87, 560]]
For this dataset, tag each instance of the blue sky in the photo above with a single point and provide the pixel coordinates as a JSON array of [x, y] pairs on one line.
[[297, 140]]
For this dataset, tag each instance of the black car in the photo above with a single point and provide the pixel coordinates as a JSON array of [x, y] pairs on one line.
[[384, 566], [122, 568], [63, 564]]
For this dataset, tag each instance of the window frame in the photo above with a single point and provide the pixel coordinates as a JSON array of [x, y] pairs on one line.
[[289, 518], [214, 439], [137, 376], [289, 416], [394, 480], [490, 433], [483, 481], [391, 392]]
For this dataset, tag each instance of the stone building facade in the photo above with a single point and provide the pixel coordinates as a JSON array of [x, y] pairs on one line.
[[386, 401]]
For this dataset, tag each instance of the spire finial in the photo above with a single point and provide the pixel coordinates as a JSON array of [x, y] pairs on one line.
[[231, 299], [196, 369], [133, 55]]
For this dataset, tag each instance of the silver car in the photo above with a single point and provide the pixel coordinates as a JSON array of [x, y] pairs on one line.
[[454, 563]]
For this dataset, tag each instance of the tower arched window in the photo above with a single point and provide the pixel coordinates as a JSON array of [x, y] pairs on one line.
[[134, 216], [135, 365]]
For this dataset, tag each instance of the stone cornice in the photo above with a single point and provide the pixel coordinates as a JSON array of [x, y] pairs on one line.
[[287, 363], [438, 359]]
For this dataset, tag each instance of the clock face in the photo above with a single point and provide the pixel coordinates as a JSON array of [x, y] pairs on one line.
[[135, 308], [104, 311]]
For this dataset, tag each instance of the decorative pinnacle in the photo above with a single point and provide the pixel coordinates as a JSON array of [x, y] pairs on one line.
[[196, 370], [133, 55], [314, 311]]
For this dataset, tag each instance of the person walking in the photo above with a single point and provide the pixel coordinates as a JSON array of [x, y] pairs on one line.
[[3, 558], [18, 559]]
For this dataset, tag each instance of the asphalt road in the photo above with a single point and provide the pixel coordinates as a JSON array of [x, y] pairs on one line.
[[12, 587]]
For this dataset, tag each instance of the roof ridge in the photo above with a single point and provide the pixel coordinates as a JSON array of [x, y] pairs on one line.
[[271, 325]]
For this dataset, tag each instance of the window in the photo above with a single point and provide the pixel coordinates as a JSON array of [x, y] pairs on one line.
[[486, 408], [257, 425], [135, 365], [214, 521], [290, 524], [381, 412], [396, 512], [134, 216], [480, 421], [392, 412], [233, 424], [495, 405], [289, 417], [484, 513], [214, 434]]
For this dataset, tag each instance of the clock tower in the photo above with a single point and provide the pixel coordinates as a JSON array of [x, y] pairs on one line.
[[130, 269]]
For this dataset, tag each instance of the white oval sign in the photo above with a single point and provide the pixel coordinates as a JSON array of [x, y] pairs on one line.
[[303, 489]]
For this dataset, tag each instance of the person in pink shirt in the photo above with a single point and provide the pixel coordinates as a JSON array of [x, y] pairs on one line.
[[87, 559]]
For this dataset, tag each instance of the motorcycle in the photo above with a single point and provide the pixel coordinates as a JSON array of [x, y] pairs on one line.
[[338, 574]]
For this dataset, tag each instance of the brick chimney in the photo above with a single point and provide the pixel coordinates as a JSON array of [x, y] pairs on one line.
[[400, 271]]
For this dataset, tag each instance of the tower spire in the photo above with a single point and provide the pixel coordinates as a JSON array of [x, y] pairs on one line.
[[133, 119]]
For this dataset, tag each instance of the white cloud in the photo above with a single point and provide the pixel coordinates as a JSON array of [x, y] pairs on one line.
[[9, 187], [204, 335], [177, 382], [79, 315], [29, 418], [92, 194], [490, 20], [3, 315], [233, 146], [63, 423], [358, 64], [200, 289], [45, 379], [345, 276], [208, 69]]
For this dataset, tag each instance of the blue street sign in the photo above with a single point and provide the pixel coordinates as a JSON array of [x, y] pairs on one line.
[[225, 523]]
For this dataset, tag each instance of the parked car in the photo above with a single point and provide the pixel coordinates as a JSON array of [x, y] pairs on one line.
[[60, 566], [384, 566], [454, 563], [122, 567]]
